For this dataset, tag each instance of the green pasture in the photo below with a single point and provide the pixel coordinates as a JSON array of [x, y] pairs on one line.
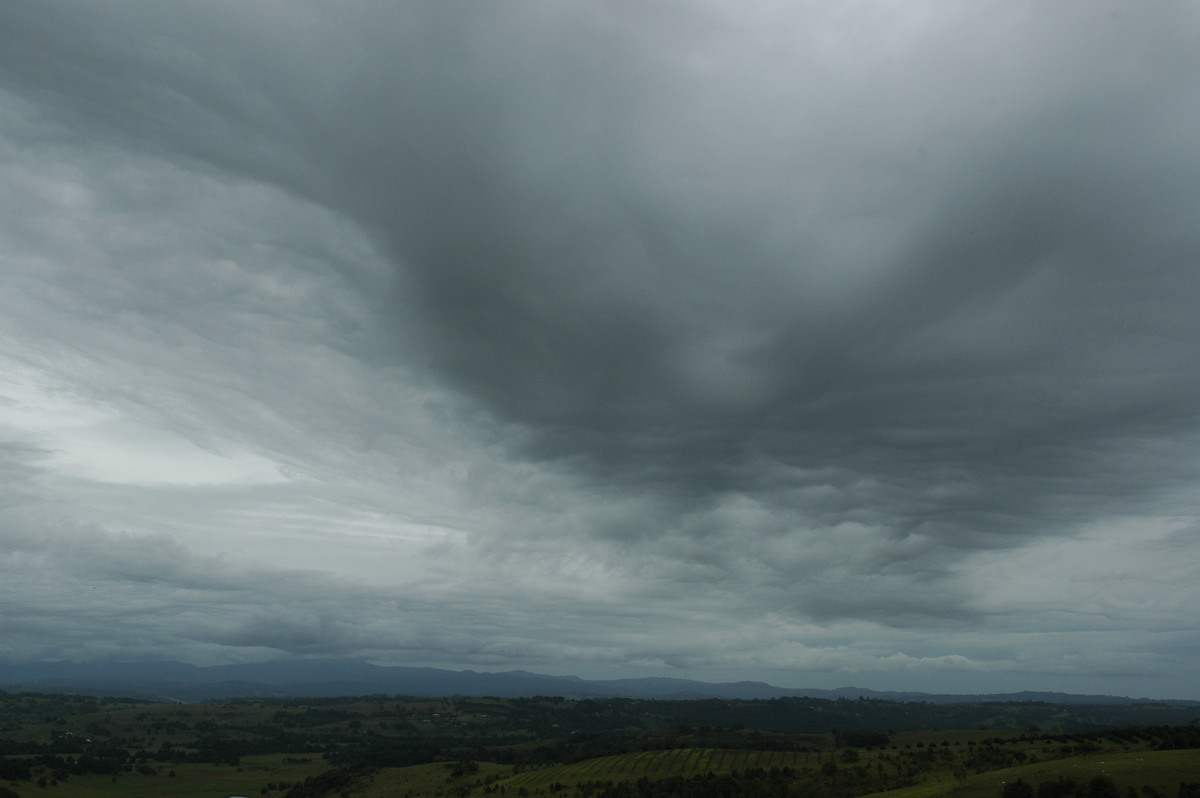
[[436, 779], [418, 780], [189, 781], [1162, 770], [658, 765]]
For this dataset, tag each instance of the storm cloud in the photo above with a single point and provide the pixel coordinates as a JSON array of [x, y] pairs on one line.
[[819, 344]]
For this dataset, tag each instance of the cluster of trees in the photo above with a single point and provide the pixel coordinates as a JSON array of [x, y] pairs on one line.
[[1099, 786], [114, 736], [829, 781]]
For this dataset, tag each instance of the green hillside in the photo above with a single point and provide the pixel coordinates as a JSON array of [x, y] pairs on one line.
[[1146, 773], [707, 773], [547, 747]]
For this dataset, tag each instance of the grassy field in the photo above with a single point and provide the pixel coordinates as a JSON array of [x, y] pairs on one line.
[[189, 781], [67, 746], [658, 765], [425, 780], [430, 780], [1161, 770]]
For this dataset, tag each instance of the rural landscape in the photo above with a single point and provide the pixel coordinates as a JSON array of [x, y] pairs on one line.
[[599, 399], [79, 746]]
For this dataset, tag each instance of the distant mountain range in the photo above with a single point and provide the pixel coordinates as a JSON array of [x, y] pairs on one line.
[[178, 681]]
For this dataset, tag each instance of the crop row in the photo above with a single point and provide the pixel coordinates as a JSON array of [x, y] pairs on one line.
[[658, 765]]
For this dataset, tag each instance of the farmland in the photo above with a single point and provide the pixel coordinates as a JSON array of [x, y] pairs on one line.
[[547, 747]]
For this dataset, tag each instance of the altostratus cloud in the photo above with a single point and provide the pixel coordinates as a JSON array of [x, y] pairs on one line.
[[655, 322]]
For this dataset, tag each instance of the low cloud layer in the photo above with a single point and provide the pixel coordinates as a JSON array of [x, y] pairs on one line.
[[818, 344]]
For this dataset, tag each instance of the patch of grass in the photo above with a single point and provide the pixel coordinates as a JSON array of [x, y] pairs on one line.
[[198, 780], [420, 780], [1162, 770], [655, 765], [190, 780]]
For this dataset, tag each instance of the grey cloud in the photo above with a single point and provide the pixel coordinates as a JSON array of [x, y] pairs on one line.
[[811, 311], [18, 471], [151, 595]]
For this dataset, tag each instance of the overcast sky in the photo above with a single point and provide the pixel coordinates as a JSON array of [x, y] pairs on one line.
[[821, 343]]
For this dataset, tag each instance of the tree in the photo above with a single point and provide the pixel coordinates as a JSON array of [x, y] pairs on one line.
[[1016, 789], [1102, 787]]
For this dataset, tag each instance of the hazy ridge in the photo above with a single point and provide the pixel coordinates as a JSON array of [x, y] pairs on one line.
[[331, 677]]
